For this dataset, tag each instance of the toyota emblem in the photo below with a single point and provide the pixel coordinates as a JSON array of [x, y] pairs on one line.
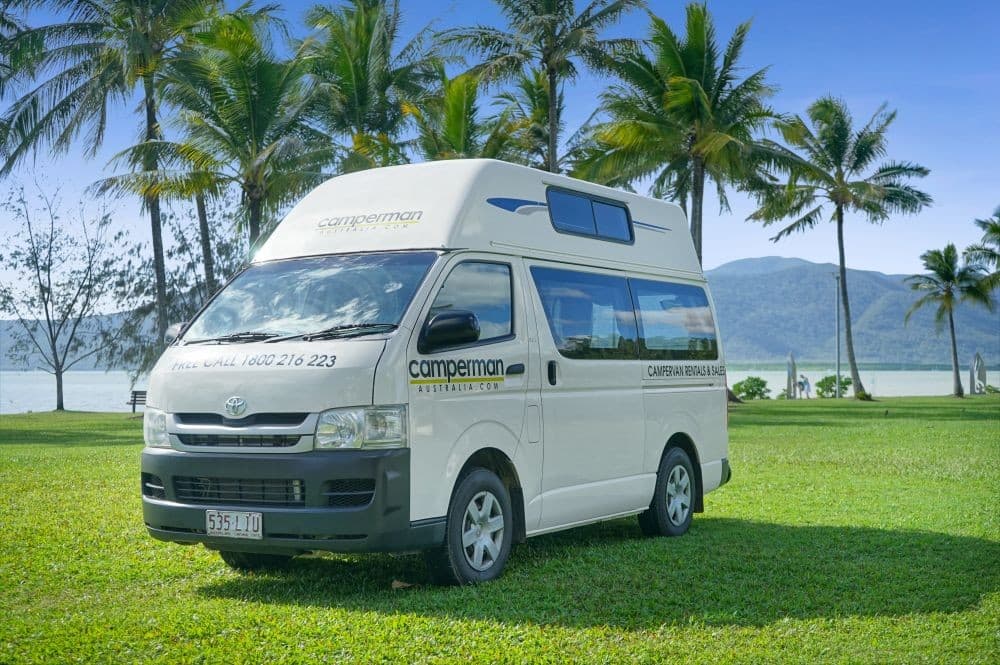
[[236, 406]]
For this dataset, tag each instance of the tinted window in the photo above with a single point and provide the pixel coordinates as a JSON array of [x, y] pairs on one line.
[[612, 221], [590, 315], [675, 321], [483, 289], [571, 212]]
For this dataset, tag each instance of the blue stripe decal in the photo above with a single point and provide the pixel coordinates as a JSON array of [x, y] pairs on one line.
[[654, 227], [512, 205]]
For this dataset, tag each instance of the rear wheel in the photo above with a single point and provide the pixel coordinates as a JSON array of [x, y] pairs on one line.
[[672, 508], [478, 532], [253, 561]]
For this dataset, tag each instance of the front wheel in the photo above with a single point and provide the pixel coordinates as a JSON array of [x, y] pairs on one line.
[[670, 512], [478, 532], [252, 561]]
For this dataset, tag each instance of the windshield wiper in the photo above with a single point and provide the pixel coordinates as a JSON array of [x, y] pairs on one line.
[[350, 330], [245, 336]]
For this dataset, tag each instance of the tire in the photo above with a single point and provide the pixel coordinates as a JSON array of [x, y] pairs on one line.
[[672, 507], [478, 532], [247, 562]]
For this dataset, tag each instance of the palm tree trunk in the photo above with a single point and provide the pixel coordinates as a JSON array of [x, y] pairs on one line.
[[155, 222], [553, 159], [206, 244], [859, 389], [256, 211], [697, 196], [957, 378]]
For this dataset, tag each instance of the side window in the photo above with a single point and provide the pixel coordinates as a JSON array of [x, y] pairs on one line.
[[675, 321], [590, 315], [483, 289], [571, 212], [581, 214], [612, 222]]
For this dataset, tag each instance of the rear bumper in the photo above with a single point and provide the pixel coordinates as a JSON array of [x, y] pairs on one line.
[[376, 523], [727, 472]]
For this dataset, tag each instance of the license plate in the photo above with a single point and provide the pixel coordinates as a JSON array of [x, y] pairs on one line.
[[234, 524]]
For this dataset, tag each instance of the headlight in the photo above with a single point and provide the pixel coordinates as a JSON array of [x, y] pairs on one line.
[[362, 427], [154, 428]]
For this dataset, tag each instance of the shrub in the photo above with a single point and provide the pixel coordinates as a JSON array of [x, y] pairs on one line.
[[827, 386], [752, 387]]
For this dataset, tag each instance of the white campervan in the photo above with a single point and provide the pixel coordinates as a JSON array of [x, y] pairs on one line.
[[451, 357]]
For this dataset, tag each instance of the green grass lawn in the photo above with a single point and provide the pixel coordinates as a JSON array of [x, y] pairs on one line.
[[850, 532]]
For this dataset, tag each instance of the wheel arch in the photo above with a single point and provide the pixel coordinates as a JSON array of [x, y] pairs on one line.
[[497, 461], [686, 443]]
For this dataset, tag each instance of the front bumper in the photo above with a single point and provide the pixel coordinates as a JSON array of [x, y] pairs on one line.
[[315, 517]]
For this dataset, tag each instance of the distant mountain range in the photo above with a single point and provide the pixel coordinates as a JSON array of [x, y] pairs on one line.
[[771, 306]]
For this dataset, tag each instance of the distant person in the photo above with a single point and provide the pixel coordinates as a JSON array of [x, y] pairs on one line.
[[804, 387]]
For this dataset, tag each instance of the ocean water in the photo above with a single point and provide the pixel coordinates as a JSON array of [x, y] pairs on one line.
[[108, 391], [880, 383], [82, 391]]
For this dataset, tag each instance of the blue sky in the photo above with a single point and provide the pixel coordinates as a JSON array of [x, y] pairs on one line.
[[936, 63]]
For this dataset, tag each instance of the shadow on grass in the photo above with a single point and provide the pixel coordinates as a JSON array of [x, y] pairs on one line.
[[724, 572]]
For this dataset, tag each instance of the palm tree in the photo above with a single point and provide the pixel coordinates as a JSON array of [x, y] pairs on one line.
[[449, 125], [243, 113], [987, 251], [365, 76], [947, 283], [682, 115], [98, 57], [827, 165], [529, 106], [549, 35]]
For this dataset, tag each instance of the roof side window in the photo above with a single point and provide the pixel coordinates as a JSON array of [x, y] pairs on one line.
[[571, 212], [612, 221], [580, 214]]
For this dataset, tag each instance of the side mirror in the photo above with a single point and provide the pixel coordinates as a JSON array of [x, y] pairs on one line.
[[448, 328], [174, 331]]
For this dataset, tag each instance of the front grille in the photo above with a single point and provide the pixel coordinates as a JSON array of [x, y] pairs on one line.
[[255, 419], [349, 492], [247, 491], [240, 440]]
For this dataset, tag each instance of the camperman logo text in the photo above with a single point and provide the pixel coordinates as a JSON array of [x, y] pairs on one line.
[[369, 221], [465, 375]]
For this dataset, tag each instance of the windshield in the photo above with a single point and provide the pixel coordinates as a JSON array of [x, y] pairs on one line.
[[302, 296]]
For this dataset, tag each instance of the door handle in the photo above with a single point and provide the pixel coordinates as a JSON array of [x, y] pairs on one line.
[[516, 368], [553, 365]]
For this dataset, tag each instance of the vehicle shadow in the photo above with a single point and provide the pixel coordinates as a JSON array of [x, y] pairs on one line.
[[724, 572]]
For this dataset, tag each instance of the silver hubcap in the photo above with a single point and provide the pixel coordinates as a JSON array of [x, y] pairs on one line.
[[678, 495], [482, 531]]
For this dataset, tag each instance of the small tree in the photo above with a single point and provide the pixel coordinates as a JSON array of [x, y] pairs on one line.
[[827, 386], [138, 349], [64, 273], [752, 387]]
